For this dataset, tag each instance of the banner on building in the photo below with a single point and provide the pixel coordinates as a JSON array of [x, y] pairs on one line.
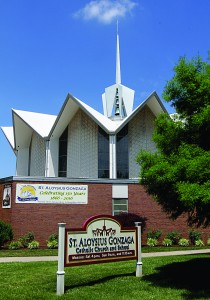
[[6, 201], [100, 240], [51, 193]]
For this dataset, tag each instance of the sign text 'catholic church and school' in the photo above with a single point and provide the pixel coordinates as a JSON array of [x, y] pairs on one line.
[[100, 240]]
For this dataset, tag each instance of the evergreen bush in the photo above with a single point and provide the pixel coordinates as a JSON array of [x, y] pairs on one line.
[[6, 233]]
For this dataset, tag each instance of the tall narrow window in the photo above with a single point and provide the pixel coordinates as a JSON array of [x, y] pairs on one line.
[[122, 153], [62, 160], [103, 154]]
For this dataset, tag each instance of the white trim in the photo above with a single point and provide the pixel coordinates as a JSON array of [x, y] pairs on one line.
[[47, 154], [112, 157]]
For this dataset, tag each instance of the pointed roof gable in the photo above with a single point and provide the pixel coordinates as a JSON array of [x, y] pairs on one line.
[[68, 111], [72, 104], [41, 123], [25, 122]]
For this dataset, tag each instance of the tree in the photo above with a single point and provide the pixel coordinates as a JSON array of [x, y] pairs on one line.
[[177, 175]]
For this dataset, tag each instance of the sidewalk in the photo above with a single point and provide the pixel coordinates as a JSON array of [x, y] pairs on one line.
[[55, 258]]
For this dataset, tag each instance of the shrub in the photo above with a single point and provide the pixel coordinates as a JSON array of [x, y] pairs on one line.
[[52, 245], [6, 233], [53, 237], [194, 236], [52, 242], [26, 239], [174, 236], [151, 242], [167, 242], [199, 243], [154, 234], [33, 245], [208, 241], [184, 242], [15, 245]]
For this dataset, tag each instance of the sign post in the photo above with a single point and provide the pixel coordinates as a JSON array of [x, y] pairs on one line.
[[60, 272], [138, 262]]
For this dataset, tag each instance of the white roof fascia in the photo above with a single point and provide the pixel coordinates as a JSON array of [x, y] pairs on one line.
[[153, 102], [72, 104], [22, 132], [108, 125], [9, 134], [24, 123], [63, 118], [41, 123], [69, 109]]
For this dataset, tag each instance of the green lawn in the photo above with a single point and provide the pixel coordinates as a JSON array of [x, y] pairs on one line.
[[171, 277], [54, 252], [28, 252]]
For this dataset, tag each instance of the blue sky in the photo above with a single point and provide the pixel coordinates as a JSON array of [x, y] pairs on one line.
[[51, 47]]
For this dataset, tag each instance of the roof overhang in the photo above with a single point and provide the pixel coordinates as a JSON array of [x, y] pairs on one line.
[[72, 105], [24, 123], [68, 111], [153, 102], [9, 134]]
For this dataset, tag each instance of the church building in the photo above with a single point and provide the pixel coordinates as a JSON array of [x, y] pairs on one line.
[[81, 163], [83, 143]]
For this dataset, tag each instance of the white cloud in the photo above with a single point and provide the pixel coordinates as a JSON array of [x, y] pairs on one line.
[[105, 11]]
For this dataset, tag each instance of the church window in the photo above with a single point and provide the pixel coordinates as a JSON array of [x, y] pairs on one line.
[[103, 154], [122, 153], [62, 161]]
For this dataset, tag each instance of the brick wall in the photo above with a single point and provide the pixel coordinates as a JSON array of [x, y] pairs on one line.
[[43, 219]]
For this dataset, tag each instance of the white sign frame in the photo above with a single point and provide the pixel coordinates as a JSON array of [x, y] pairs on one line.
[[101, 239], [62, 251]]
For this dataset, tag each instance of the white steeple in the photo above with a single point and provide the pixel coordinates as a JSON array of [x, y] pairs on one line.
[[117, 99], [118, 74]]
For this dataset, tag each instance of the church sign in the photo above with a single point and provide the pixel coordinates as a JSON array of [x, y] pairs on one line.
[[51, 193], [100, 240]]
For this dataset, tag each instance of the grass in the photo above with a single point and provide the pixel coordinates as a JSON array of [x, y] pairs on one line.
[[28, 252], [146, 249], [171, 277], [54, 252]]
